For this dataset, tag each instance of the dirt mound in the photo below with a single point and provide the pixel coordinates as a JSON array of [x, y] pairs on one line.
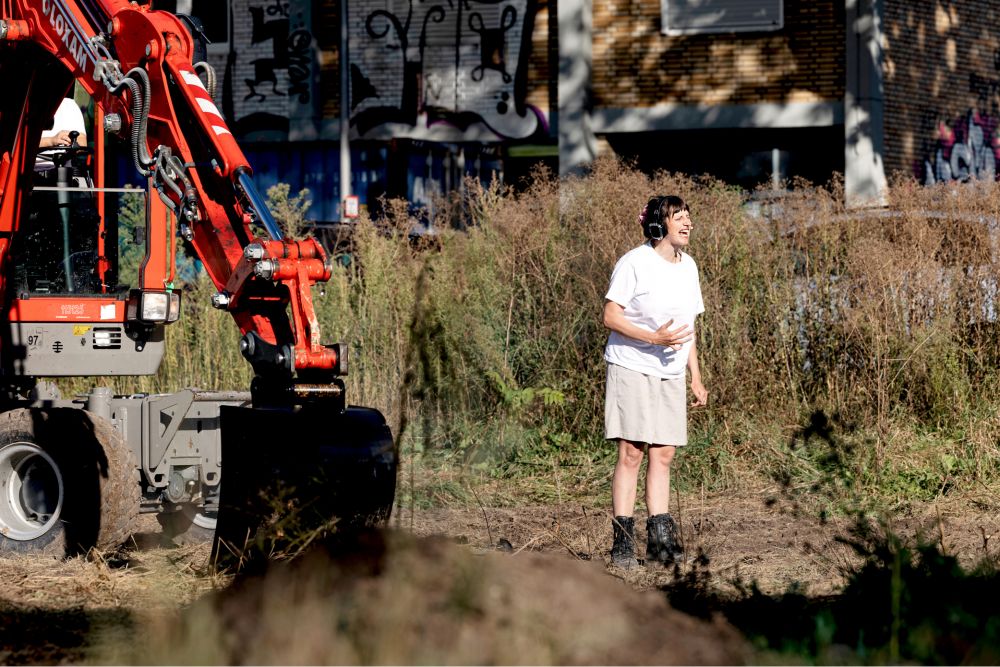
[[406, 600]]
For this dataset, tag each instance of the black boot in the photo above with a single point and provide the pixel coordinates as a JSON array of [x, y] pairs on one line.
[[663, 541], [623, 549]]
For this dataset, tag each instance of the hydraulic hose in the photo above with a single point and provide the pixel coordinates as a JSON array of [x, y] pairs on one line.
[[210, 77], [135, 78]]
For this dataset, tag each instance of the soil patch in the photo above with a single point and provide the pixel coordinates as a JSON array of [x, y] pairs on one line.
[[437, 590]]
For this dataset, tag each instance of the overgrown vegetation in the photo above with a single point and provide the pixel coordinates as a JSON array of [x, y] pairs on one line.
[[487, 343], [850, 357]]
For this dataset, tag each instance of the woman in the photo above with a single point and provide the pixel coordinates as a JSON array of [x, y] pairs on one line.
[[650, 308]]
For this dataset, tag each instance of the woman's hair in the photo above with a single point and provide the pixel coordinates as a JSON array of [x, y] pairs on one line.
[[657, 212]]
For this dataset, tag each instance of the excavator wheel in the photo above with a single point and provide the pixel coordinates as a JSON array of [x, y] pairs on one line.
[[295, 479], [189, 524], [68, 484]]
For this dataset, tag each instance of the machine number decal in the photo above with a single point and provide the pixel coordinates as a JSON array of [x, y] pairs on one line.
[[35, 340]]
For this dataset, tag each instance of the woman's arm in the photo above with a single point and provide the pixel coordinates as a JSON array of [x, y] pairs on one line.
[[697, 388], [614, 319]]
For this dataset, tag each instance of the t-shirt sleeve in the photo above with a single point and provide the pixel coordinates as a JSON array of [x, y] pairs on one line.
[[623, 284]]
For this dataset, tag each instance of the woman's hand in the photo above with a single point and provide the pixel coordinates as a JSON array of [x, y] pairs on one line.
[[700, 393], [672, 338], [614, 319]]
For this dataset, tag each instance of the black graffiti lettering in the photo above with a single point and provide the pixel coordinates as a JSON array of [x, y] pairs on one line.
[[486, 64], [493, 44], [277, 8], [298, 64], [289, 52]]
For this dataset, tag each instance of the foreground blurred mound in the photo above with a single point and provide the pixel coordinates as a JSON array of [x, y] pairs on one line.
[[404, 600]]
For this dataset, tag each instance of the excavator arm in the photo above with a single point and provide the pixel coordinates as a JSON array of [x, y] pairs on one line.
[[136, 63]]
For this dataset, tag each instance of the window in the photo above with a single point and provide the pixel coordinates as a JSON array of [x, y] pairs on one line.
[[691, 17]]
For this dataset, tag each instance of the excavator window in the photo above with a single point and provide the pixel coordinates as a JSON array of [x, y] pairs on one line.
[[59, 249]]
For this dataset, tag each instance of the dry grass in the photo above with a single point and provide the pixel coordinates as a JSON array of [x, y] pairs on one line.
[[849, 355], [59, 612]]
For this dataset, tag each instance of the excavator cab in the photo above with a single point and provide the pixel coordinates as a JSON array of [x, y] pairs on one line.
[[56, 251]]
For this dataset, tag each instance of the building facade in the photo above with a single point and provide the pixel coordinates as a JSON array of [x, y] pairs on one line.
[[751, 91], [438, 91], [941, 77]]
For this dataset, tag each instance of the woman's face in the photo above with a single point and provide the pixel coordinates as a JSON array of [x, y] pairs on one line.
[[679, 228]]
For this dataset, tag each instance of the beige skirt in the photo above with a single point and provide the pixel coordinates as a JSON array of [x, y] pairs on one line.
[[644, 408]]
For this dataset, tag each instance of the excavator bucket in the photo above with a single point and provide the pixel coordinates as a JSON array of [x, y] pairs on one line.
[[300, 477]]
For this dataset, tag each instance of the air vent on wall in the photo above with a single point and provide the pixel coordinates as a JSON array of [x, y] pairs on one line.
[[691, 17]]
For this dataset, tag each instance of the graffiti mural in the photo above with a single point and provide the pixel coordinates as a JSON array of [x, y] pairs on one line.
[[416, 64], [966, 148], [270, 70]]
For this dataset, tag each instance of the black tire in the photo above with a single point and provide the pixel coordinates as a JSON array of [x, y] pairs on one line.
[[68, 484], [188, 524]]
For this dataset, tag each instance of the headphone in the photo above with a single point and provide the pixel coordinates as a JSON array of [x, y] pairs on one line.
[[652, 221]]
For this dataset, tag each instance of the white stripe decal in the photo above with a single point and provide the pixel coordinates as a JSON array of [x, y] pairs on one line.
[[208, 107], [192, 79], [221, 130]]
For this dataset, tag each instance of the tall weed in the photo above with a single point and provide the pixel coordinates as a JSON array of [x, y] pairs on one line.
[[884, 320]]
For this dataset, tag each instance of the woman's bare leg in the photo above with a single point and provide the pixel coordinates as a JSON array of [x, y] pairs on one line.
[[658, 479], [626, 478]]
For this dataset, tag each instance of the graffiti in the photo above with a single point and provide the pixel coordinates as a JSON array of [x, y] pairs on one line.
[[492, 42], [275, 31], [289, 52], [456, 62], [965, 149], [271, 68]]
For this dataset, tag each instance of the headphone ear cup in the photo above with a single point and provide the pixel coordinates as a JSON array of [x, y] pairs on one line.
[[653, 227]]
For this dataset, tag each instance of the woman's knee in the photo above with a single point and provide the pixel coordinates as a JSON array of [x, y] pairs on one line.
[[629, 454], [661, 456]]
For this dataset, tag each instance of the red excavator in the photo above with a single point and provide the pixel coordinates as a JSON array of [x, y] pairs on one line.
[[75, 473]]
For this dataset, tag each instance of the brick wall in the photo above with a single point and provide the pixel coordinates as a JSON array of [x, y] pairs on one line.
[[637, 66], [543, 65], [941, 78], [326, 21]]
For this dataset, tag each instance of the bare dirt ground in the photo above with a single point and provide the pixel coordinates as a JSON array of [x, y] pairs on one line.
[[548, 597], [747, 538]]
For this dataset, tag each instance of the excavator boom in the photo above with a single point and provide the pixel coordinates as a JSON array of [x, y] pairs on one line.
[[136, 64], [291, 444]]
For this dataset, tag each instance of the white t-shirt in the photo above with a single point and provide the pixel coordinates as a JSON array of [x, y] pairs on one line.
[[68, 117], [653, 291]]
